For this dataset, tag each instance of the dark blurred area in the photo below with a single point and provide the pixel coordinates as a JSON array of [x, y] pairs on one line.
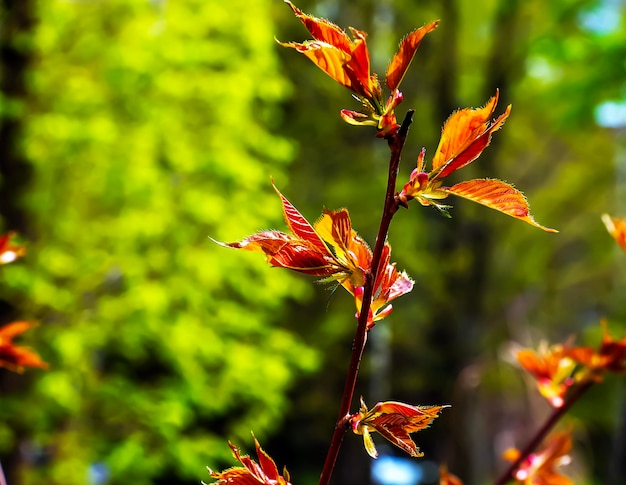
[[133, 130]]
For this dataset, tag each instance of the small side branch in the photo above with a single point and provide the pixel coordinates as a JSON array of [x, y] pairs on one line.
[[556, 415]]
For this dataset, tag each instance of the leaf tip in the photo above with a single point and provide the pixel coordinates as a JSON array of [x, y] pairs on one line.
[[530, 220]]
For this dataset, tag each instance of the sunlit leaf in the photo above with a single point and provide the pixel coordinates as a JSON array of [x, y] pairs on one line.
[[496, 195], [394, 421], [14, 357], [252, 473], [464, 136], [299, 225], [402, 59], [345, 60], [447, 478], [356, 118], [553, 368], [323, 30], [330, 248], [389, 285], [328, 58], [541, 467], [617, 228], [609, 356]]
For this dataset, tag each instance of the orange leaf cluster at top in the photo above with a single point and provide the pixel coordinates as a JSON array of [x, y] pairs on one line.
[[10, 251], [617, 228], [252, 473], [559, 367], [394, 421], [541, 467], [14, 357], [332, 249], [347, 61], [464, 136]]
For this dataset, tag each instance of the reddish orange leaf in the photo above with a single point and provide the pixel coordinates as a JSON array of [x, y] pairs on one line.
[[541, 468], [553, 367], [10, 251], [610, 356], [394, 421], [265, 472], [329, 249], [13, 357], [323, 30], [357, 119], [447, 478], [343, 59], [617, 228], [497, 195], [286, 251], [299, 225], [346, 59], [402, 60], [330, 60], [389, 285], [464, 136]]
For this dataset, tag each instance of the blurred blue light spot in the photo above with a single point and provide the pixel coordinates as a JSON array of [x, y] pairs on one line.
[[611, 114], [392, 470], [98, 474], [603, 19]]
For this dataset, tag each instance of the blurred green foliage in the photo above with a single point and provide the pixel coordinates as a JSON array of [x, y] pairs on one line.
[[149, 127], [142, 127]]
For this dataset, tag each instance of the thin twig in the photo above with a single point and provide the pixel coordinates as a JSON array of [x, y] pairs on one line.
[[554, 417], [396, 144], [3, 480]]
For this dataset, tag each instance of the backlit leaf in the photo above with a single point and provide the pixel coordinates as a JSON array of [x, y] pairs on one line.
[[299, 225], [553, 368], [610, 355], [496, 195], [14, 357], [394, 421], [402, 59], [264, 472], [323, 30], [617, 228], [542, 467], [464, 136], [357, 119], [328, 58], [345, 60], [447, 478], [330, 248]]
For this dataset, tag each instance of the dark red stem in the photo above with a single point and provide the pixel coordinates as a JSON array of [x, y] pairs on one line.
[[396, 144], [541, 433]]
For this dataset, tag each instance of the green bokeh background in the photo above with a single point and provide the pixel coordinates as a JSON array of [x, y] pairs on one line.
[[134, 130]]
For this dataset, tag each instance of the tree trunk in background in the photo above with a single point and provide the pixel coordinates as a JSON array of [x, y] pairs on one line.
[[459, 328], [16, 25]]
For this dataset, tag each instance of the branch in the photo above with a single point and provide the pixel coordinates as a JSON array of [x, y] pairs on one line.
[[557, 414], [3, 480], [396, 144]]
